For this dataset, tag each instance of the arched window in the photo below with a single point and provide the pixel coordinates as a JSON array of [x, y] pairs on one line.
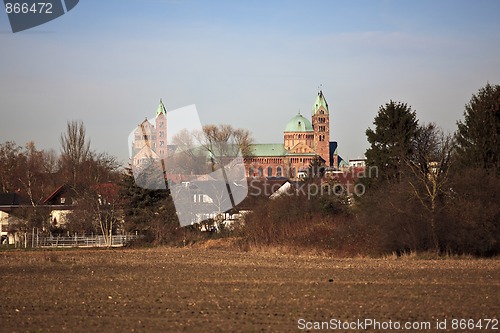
[[261, 172], [250, 172], [278, 171], [270, 171]]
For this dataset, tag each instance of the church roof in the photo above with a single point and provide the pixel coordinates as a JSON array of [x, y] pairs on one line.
[[298, 124], [273, 150], [320, 102], [161, 109], [145, 126], [146, 152], [268, 149]]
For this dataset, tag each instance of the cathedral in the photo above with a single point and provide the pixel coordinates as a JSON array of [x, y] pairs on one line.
[[304, 142], [150, 141]]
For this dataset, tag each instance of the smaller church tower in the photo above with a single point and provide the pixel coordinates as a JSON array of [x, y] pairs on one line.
[[321, 126], [161, 131]]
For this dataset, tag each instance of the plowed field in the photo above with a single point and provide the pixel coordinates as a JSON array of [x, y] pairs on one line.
[[196, 290]]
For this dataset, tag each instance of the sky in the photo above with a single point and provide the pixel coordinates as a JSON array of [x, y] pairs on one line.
[[250, 64]]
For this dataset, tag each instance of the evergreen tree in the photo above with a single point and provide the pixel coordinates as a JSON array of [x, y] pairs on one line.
[[478, 136], [396, 127], [149, 212]]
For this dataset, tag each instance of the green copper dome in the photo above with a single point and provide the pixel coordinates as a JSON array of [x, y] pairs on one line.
[[298, 124]]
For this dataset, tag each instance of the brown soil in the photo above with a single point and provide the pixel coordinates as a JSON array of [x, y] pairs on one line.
[[200, 290]]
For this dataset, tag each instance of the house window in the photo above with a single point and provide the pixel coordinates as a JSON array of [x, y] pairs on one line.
[[63, 200], [261, 172], [270, 171], [199, 198], [278, 171]]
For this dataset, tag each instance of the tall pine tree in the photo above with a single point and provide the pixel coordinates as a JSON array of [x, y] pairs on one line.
[[391, 142], [478, 136]]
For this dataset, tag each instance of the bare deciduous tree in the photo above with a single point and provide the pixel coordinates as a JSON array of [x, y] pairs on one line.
[[216, 145], [98, 201], [75, 148], [33, 164], [189, 158], [225, 141], [430, 167], [10, 161]]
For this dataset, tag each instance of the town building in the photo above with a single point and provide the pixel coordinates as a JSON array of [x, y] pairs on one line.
[[357, 163]]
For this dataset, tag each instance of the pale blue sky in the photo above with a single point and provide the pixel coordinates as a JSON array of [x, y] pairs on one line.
[[250, 64]]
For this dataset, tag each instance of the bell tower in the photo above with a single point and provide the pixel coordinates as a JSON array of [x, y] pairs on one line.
[[321, 126], [161, 131]]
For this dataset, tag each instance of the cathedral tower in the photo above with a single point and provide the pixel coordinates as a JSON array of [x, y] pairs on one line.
[[161, 131], [321, 126]]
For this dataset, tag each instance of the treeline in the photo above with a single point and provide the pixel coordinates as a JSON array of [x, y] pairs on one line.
[[431, 192], [34, 174], [434, 192]]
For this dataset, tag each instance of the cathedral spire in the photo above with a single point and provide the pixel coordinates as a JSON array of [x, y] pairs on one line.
[[319, 103], [161, 109]]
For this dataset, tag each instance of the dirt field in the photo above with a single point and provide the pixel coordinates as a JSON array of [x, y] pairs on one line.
[[195, 290]]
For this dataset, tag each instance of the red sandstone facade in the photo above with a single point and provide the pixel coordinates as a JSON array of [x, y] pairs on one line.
[[304, 144]]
